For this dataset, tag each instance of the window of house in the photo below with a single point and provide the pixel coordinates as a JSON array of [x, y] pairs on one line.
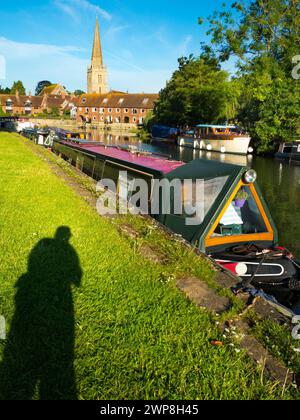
[[242, 217], [121, 101], [142, 111], [94, 118], [102, 119], [126, 110], [105, 100], [101, 111], [134, 119], [94, 109], [110, 110], [84, 100], [134, 110], [145, 101], [118, 110], [87, 109]]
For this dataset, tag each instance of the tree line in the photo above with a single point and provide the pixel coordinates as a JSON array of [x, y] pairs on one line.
[[19, 86], [262, 39]]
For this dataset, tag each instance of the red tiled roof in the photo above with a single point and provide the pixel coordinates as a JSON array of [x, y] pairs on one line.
[[119, 100]]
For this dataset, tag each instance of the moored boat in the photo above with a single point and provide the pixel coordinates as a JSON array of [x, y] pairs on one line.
[[289, 152], [164, 134], [235, 227], [217, 138]]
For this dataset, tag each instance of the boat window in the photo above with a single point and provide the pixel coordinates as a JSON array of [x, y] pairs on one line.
[[111, 172], [209, 195], [98, 169], [242, 216], [88, 165]]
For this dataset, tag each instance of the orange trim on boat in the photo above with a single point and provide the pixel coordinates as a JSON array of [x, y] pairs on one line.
[[267, 236]]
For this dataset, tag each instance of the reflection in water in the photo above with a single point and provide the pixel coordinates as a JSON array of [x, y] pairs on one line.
[[108, 137], [280, 183]]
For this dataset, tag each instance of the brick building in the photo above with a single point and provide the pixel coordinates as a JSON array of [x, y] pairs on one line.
[[16, 104], [115, 108]]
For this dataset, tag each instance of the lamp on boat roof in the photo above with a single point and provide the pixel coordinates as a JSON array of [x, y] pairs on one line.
[[250, 176]]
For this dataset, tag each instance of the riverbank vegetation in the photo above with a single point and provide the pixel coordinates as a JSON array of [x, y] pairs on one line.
[[89, 317], [262, 39]]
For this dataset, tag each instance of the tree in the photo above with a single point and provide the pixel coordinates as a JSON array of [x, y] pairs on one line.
[[2, 113], [199, 91], [18, 86], [79, 92], [264, 36], [4, 91], [54, 111], [41, 86]]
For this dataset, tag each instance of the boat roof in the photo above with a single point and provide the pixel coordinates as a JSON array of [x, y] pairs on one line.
[[207, 169], [215, 126], [126, 155]]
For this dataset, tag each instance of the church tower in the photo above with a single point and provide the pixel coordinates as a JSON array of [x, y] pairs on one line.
[[97, 72]]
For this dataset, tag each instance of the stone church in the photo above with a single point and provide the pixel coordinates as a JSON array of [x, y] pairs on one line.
[[97, 80]]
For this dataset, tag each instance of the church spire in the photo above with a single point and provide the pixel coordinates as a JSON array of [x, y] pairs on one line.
[[97, 72], [97, 59]]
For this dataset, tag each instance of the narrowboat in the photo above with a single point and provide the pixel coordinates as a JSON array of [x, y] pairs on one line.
[[8, 123], [217, 138], [164, 134], [40, 136], [289, 152], [236, 228], [45, 136]]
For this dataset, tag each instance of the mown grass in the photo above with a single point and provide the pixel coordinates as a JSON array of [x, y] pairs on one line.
[[92, 319]]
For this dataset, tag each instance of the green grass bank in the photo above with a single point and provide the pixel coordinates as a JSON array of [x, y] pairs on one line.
[[88, 317]]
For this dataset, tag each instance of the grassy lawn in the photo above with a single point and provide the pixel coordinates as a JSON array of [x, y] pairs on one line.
[[88, 317]]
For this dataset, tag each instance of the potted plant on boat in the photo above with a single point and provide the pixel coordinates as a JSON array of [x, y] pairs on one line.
[[241, 198]]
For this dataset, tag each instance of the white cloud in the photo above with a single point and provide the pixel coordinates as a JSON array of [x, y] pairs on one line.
[[114, 31], [61, 64], [74, 8], [67, 9], [21, 50], [183, 47]]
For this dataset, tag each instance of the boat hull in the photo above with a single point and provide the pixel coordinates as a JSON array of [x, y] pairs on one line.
[[268, 271], [294, 158], [164, 140], [236, 145]]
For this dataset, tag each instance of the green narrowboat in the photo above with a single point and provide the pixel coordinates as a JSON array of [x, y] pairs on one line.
[[236, 228]]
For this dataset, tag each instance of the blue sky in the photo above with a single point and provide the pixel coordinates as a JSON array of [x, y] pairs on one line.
[[141, 41]]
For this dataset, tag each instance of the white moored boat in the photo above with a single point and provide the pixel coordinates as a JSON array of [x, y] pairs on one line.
[[217, 138]]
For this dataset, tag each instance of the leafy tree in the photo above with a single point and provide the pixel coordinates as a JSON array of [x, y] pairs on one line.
[[18, 86], [79, 92], [2, 113], [199, 91], [5, 91], [54, 111], [263, 36], [41, 85]]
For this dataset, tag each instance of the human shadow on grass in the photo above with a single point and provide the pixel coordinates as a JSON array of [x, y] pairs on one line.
[[39, 352]]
